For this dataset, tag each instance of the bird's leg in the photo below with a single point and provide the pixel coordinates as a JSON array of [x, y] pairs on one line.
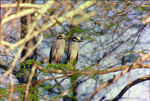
[[74, 61], [55, 60], [58, 60], [70, 60]]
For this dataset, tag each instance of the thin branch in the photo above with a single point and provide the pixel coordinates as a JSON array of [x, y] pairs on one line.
[[12, 86], [130, 84], [37, 83], [10, 90], [116, 77], [87, 72], [29, 82], [19, 14], [13, 63], [6, 68], [22, 5], [62, 94], [33, 48]]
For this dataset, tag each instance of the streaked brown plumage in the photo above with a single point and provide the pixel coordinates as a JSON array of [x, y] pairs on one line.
[[57, 49], [73, 50]]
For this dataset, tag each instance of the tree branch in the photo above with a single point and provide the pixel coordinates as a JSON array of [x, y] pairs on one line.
[[6, 68], [116, 77], [129, 85], [29, 82], [87, 72]]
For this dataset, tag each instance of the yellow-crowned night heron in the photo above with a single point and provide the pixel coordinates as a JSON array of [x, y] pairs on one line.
[[73, 50], [57, 49]]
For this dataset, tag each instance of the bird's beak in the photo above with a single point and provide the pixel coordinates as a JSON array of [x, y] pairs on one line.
[[80, 40], [65, 37]]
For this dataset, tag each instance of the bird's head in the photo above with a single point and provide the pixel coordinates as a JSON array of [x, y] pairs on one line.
[[61, 36], [76, 39]]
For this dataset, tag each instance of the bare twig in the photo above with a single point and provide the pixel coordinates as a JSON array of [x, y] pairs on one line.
[[13, 63], [33, 48], [19, 14], [12, 85], [21, 5], [116, 77], [29, 82], [10, 90], [129, 85], [62, 94], [6, 68], [37, 83]]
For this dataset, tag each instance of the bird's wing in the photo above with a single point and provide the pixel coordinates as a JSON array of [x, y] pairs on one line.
[[77, 56], [52, 53], [68, 53], [50, 56]]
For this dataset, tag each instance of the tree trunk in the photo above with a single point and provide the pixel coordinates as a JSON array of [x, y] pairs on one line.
[[26, 21]]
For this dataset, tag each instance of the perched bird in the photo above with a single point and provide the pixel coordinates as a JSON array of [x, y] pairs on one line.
[[73, 50], [57, 49]]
